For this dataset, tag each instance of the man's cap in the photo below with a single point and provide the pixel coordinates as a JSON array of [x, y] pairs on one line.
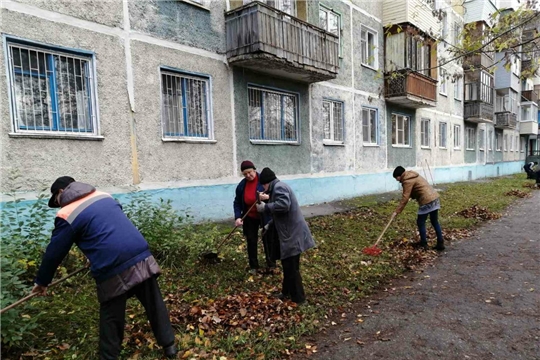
[[59, 184]]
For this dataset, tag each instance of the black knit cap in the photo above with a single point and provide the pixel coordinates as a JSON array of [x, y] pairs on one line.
[[266, 176], [398, 171], [59, 184]]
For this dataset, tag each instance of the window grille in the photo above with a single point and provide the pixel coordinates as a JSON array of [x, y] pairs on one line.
[[272, 115], [333, 120], [185, 109], [51, 91]]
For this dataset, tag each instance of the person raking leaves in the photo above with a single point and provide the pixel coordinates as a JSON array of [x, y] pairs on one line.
[[120, 262], [417, 188]]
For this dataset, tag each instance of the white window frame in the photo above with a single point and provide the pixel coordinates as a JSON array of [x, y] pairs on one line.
[[405, 129], [425, 133], [456, 30], [458, 92], [470, 138], [331, 139], [498, 142], [443, 82], [481, 139], [444, 27], [523, 144], [443, 135], [457, 137], [329, 10], [490, 140], [51, 80], [181, 117], [277, 4], [365, 32], [261, 137], [373, 114]]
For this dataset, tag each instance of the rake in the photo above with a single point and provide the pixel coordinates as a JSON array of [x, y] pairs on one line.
[[374, 250]]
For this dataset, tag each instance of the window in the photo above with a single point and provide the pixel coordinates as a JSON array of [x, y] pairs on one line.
[[526, 113], [516, 144], [523, 145], [368, 43], [490, 140], [185, 106], [273, 115], [457, 30], [470, 138], [425, 132], [52, 91], [444, 34], [457, 89], [417, 55], [457, 137], [481, 139], [287, 6], [505, 142], [370, 126], [482, 91], [442, 134], [507, 103], [400, 130], [498, 142], [515, 65], [333, 120], [442, 88], [331, 22]]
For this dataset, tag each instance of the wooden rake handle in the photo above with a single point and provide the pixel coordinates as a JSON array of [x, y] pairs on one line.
[[385, 228], [28, 297], [236, 227]]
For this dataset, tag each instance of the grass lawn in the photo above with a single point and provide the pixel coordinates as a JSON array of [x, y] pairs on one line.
[[221, 311]]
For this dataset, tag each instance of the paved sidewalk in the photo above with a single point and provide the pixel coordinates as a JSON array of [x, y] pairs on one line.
[[480, 300]]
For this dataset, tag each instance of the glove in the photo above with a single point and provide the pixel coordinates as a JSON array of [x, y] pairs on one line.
[[265, 228], [261, 207]]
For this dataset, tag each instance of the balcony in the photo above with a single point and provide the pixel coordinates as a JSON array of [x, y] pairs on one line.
[[410, 89], [478, 112], [528, 128], [477, 61], [267, 40], [530, 95], [505, 120]]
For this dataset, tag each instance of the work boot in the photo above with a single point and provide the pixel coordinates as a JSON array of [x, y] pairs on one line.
[[420, 245], [170, 351], [439, 247]]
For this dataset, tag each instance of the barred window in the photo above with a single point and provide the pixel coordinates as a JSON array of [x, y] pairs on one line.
[[370, 126], [272, 115], [333, 120], [185, 106], [51, 90]]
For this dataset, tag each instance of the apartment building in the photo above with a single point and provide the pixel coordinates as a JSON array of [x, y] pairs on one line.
[[168, 97]]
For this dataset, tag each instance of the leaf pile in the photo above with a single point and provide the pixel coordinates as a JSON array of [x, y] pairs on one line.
[[244, 311], [531, 186], [479, 213], [518, 193], [449, 234], [409, 257]]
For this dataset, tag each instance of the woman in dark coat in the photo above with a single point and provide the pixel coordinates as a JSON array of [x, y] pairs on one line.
[[291, 228]]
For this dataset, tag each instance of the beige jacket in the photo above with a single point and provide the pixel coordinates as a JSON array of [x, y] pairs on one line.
[[416, 187]]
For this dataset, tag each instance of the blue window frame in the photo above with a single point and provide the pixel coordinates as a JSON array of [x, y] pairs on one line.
[[185, 105], [273, 115], [51, 90]]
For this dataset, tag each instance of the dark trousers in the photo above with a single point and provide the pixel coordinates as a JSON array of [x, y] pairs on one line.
[[112, 316], [251, 232], [434, 219], [292, 280]]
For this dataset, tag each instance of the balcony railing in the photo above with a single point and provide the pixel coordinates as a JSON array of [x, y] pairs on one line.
[[530, 95], [477, 61], [478, 112], [271, 41], [505, 120], [410, 89]]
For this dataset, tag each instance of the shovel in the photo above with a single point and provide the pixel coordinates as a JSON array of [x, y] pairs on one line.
[[212, 256], [374, 250], [28, 297]]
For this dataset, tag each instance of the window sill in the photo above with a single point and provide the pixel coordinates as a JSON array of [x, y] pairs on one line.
[[57, 136], [402, 146], [191, 141], [470, 149], [443, 94], [425, 147], [457, 99], [196, 5], [273, 142], [443, 148], [369, 67], [371, 145], [328, 142], [481, 149], [457, 149]]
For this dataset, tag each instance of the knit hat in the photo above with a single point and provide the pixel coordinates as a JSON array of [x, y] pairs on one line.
[[266, 176], [398, 171], [59, 184], [246, 164]]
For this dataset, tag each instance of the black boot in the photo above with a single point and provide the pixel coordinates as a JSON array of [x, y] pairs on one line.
[[170, 351]]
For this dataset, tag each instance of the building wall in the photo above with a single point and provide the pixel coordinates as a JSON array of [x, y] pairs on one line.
[[41, 160]]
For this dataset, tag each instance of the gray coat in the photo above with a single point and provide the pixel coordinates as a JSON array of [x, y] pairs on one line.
[[292, 229]]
